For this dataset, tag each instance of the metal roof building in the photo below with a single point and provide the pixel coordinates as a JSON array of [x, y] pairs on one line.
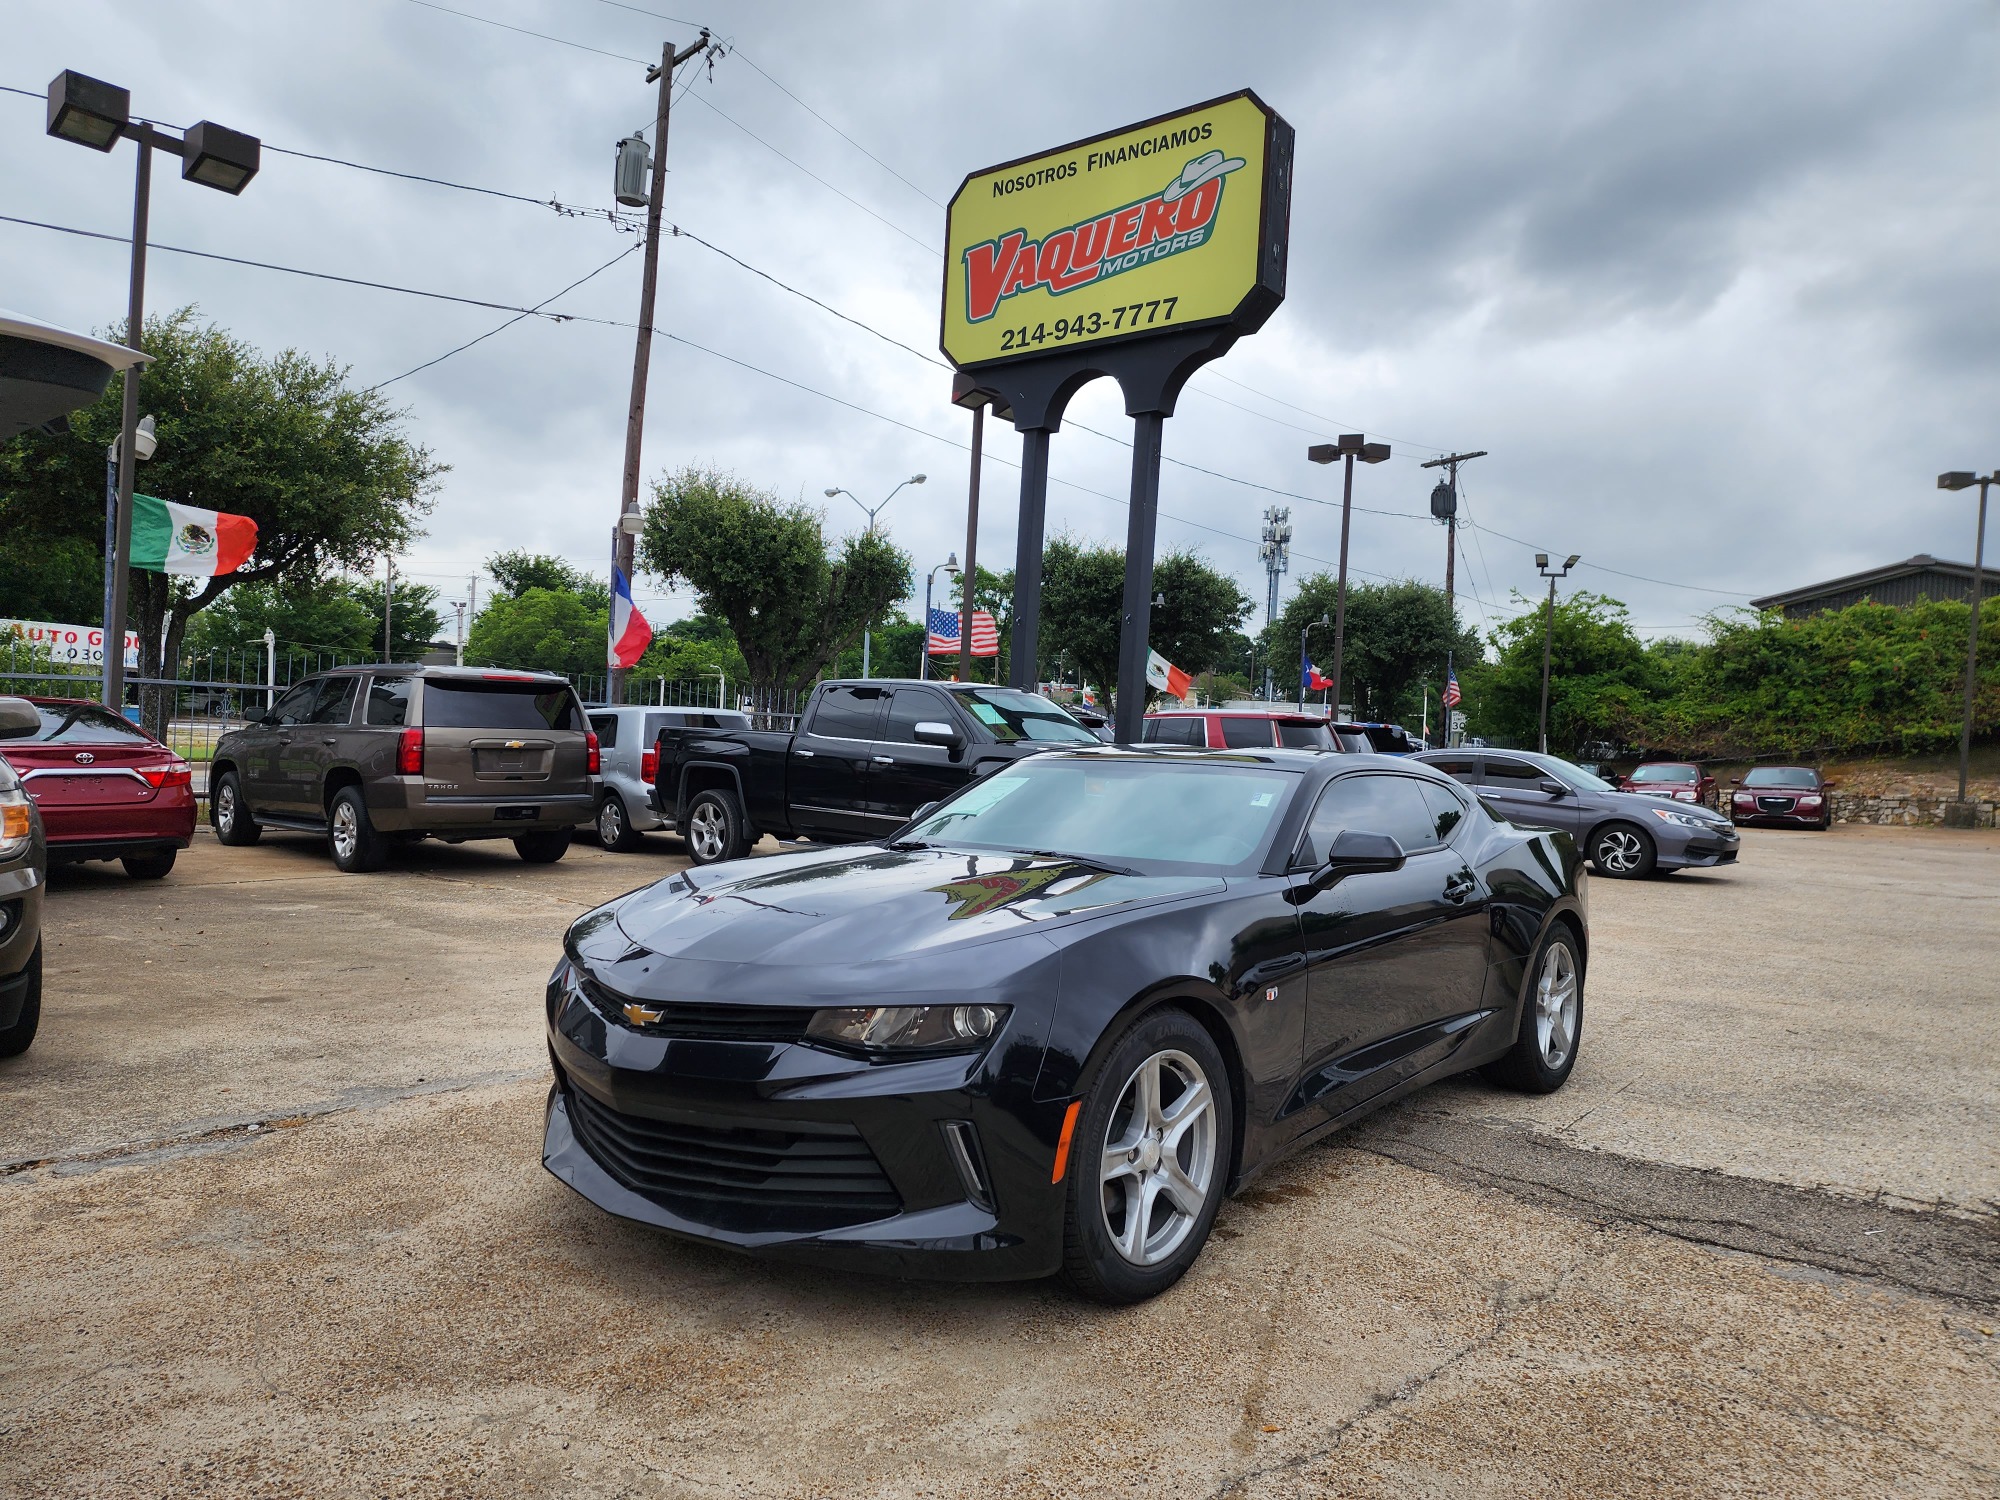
[[1922, 576]]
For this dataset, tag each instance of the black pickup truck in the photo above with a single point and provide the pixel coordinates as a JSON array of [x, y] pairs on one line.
[[867, 754]]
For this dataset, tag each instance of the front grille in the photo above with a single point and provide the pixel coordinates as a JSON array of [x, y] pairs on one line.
[[707, 1023], [1774, 804], [802, 1178]]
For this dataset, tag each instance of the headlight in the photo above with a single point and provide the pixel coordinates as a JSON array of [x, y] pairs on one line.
[[907, 1028], [17, 822], [1685, 820]]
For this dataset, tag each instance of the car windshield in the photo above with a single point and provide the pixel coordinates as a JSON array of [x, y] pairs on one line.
[[1013, 715], [1157, 812], [1666, 773], [1781, 776], [498, 704], [1574, 777], [1306, 736], [85, 724]]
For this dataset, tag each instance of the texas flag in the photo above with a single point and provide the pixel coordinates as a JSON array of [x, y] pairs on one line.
[[1316, 682], [630, 634], [1167, 677]]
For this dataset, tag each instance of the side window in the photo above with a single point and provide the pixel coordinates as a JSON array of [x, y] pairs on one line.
[[1459, 767], [909, 707], [1512, 775], [1394, 805], [389, 702], [1247, 734], [605, 727], [847, 713], [1448, 812], [1180, 729], [295, 705], [336, 704]]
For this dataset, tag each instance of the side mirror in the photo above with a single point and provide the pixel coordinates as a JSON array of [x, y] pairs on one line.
[[931, 732], [1827, 786], [1553, 787], [1736, 781], [18, 719], [1358, 853], [923, 812]]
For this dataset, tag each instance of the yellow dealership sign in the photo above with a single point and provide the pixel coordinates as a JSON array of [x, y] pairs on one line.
[[1170, 224]]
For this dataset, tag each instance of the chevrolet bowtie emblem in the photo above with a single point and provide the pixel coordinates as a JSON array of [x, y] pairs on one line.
[[642, 1015], [515, 744]]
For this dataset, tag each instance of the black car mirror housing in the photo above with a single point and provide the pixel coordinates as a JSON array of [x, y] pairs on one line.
[[1553, 787], [1358, 853]]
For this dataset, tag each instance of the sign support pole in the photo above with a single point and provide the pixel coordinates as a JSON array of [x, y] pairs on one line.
[[1135, 621], [1028, 558]]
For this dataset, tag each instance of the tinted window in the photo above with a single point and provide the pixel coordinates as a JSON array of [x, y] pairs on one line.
[[847, 713], [1391, 739], [498, 705], [1247, 734], [336, 702], [389, 702], [1515, 774], [605, 727], [295, 705], [1767, 776], [1306, 737], [909, 707], [1448, 813], [1013, 715], [1394, 805], [1462, 767], [1181, 729], [85, 723], [1355, 742]]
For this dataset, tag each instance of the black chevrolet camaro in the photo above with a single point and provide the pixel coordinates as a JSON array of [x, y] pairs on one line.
[[1050, 1023]]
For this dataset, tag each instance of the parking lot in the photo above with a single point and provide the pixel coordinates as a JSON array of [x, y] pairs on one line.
[[275, 1223]]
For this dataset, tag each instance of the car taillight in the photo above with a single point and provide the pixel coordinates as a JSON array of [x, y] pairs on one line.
[[592, 761], [410, 753], [649, 766], [177, 774]]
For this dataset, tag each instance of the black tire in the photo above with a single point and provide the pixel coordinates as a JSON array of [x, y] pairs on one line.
[[229, 814], [1174, 1045], [715, 828], [149, 866], [1622, 851], [543, 848], [350, 834], [14, 1040], [1531, 1065], [614, 825]]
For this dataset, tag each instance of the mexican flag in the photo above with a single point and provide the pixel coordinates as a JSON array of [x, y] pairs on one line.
[[170, 538], [1167, 677]]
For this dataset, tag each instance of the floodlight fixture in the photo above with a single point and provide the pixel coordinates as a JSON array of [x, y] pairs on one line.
[[88, 110], [216, 156], [1958, 479], [1541, 558]]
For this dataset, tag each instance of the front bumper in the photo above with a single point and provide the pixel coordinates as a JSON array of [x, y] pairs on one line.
[[726, 1141], [1703, 850]]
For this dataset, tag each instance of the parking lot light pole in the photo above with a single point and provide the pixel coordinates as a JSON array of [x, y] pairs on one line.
[[147, 445], [1352, 445], [90, 112], [949, 565], [1549, 632], [1961, 480], [872, 513]]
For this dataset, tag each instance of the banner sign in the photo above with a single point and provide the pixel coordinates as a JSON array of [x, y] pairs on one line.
[[1172, 223], [66, 645]]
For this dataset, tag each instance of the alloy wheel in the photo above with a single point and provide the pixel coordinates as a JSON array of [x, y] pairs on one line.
[[225, 809], [346, 829], [1159, 1158], [706, 831], [1619, 851], [1556, 1005]]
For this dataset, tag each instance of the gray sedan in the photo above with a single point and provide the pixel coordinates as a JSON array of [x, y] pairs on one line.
[[1626, 835]]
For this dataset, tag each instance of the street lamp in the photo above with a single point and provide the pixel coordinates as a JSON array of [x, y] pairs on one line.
[[949, 565], [1548, 632], [872, 514], [1352, 445], [93, 113], [1303, 665], [146, 444], [1959, 479]]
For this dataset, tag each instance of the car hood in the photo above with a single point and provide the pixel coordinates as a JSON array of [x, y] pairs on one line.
[[874, 905]]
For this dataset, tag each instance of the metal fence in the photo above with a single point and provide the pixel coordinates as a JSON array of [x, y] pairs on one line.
[[768, 708]]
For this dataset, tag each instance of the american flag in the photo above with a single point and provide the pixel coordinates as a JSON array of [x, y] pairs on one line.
[[944, 633], [1451, 694]]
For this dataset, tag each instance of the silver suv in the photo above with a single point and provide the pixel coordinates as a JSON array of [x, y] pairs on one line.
[[627, 738], [377, 756]]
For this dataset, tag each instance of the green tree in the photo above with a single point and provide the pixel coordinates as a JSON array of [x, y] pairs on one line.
[[1602, 682], [1083, 598], [540, 630], [792, 602], [320, 614], [517, 572], [323, 470], [1398, 636]]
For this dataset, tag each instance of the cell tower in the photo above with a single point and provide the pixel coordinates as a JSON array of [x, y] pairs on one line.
[[1276, 551]]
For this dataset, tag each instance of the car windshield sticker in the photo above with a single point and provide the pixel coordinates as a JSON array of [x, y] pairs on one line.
[[1262, 799], [986, 713]]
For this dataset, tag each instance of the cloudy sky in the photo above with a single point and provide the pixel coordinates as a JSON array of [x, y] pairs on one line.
[[1714, 283]]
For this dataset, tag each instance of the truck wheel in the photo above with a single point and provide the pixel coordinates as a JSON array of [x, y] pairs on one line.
[[715, 828], [229, 814], [14, 1039], [350, 833], [543, 848], [614, 826]]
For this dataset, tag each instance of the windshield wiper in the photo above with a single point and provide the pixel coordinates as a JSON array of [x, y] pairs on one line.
[[1090, 861], [908, 844]]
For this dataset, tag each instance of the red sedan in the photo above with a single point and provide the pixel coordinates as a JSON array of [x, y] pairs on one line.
[[1783, 797], [1681, 780], [105, 788]]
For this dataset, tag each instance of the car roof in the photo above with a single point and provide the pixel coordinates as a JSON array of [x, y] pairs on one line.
[[1291, 714], [1289, 759], [445, 674]]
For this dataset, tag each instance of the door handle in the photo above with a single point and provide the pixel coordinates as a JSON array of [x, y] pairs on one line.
[[885, 760], [326, 739], [1459, 887]]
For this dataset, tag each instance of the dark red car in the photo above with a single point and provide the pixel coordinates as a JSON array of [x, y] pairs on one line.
[[1241, 729], [1784, 797], [105, 788], [1681, 780]]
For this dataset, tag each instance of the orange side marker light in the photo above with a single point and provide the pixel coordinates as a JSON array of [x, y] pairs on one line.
[[1062, 1143]]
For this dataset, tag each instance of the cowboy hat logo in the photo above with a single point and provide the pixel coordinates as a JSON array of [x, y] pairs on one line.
[[1204, 168]]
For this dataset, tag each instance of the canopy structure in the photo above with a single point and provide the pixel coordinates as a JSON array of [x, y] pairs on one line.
[[47, 372]]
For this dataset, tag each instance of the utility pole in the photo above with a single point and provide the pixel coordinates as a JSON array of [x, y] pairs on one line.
[[1276, 551], [635, 417], [1549, 634], [1962, 480], [1444, 507], [388, 606], [458, 608]]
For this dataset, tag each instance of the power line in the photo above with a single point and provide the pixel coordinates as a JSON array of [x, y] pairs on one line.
[[522, 30], [1698, 588]]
